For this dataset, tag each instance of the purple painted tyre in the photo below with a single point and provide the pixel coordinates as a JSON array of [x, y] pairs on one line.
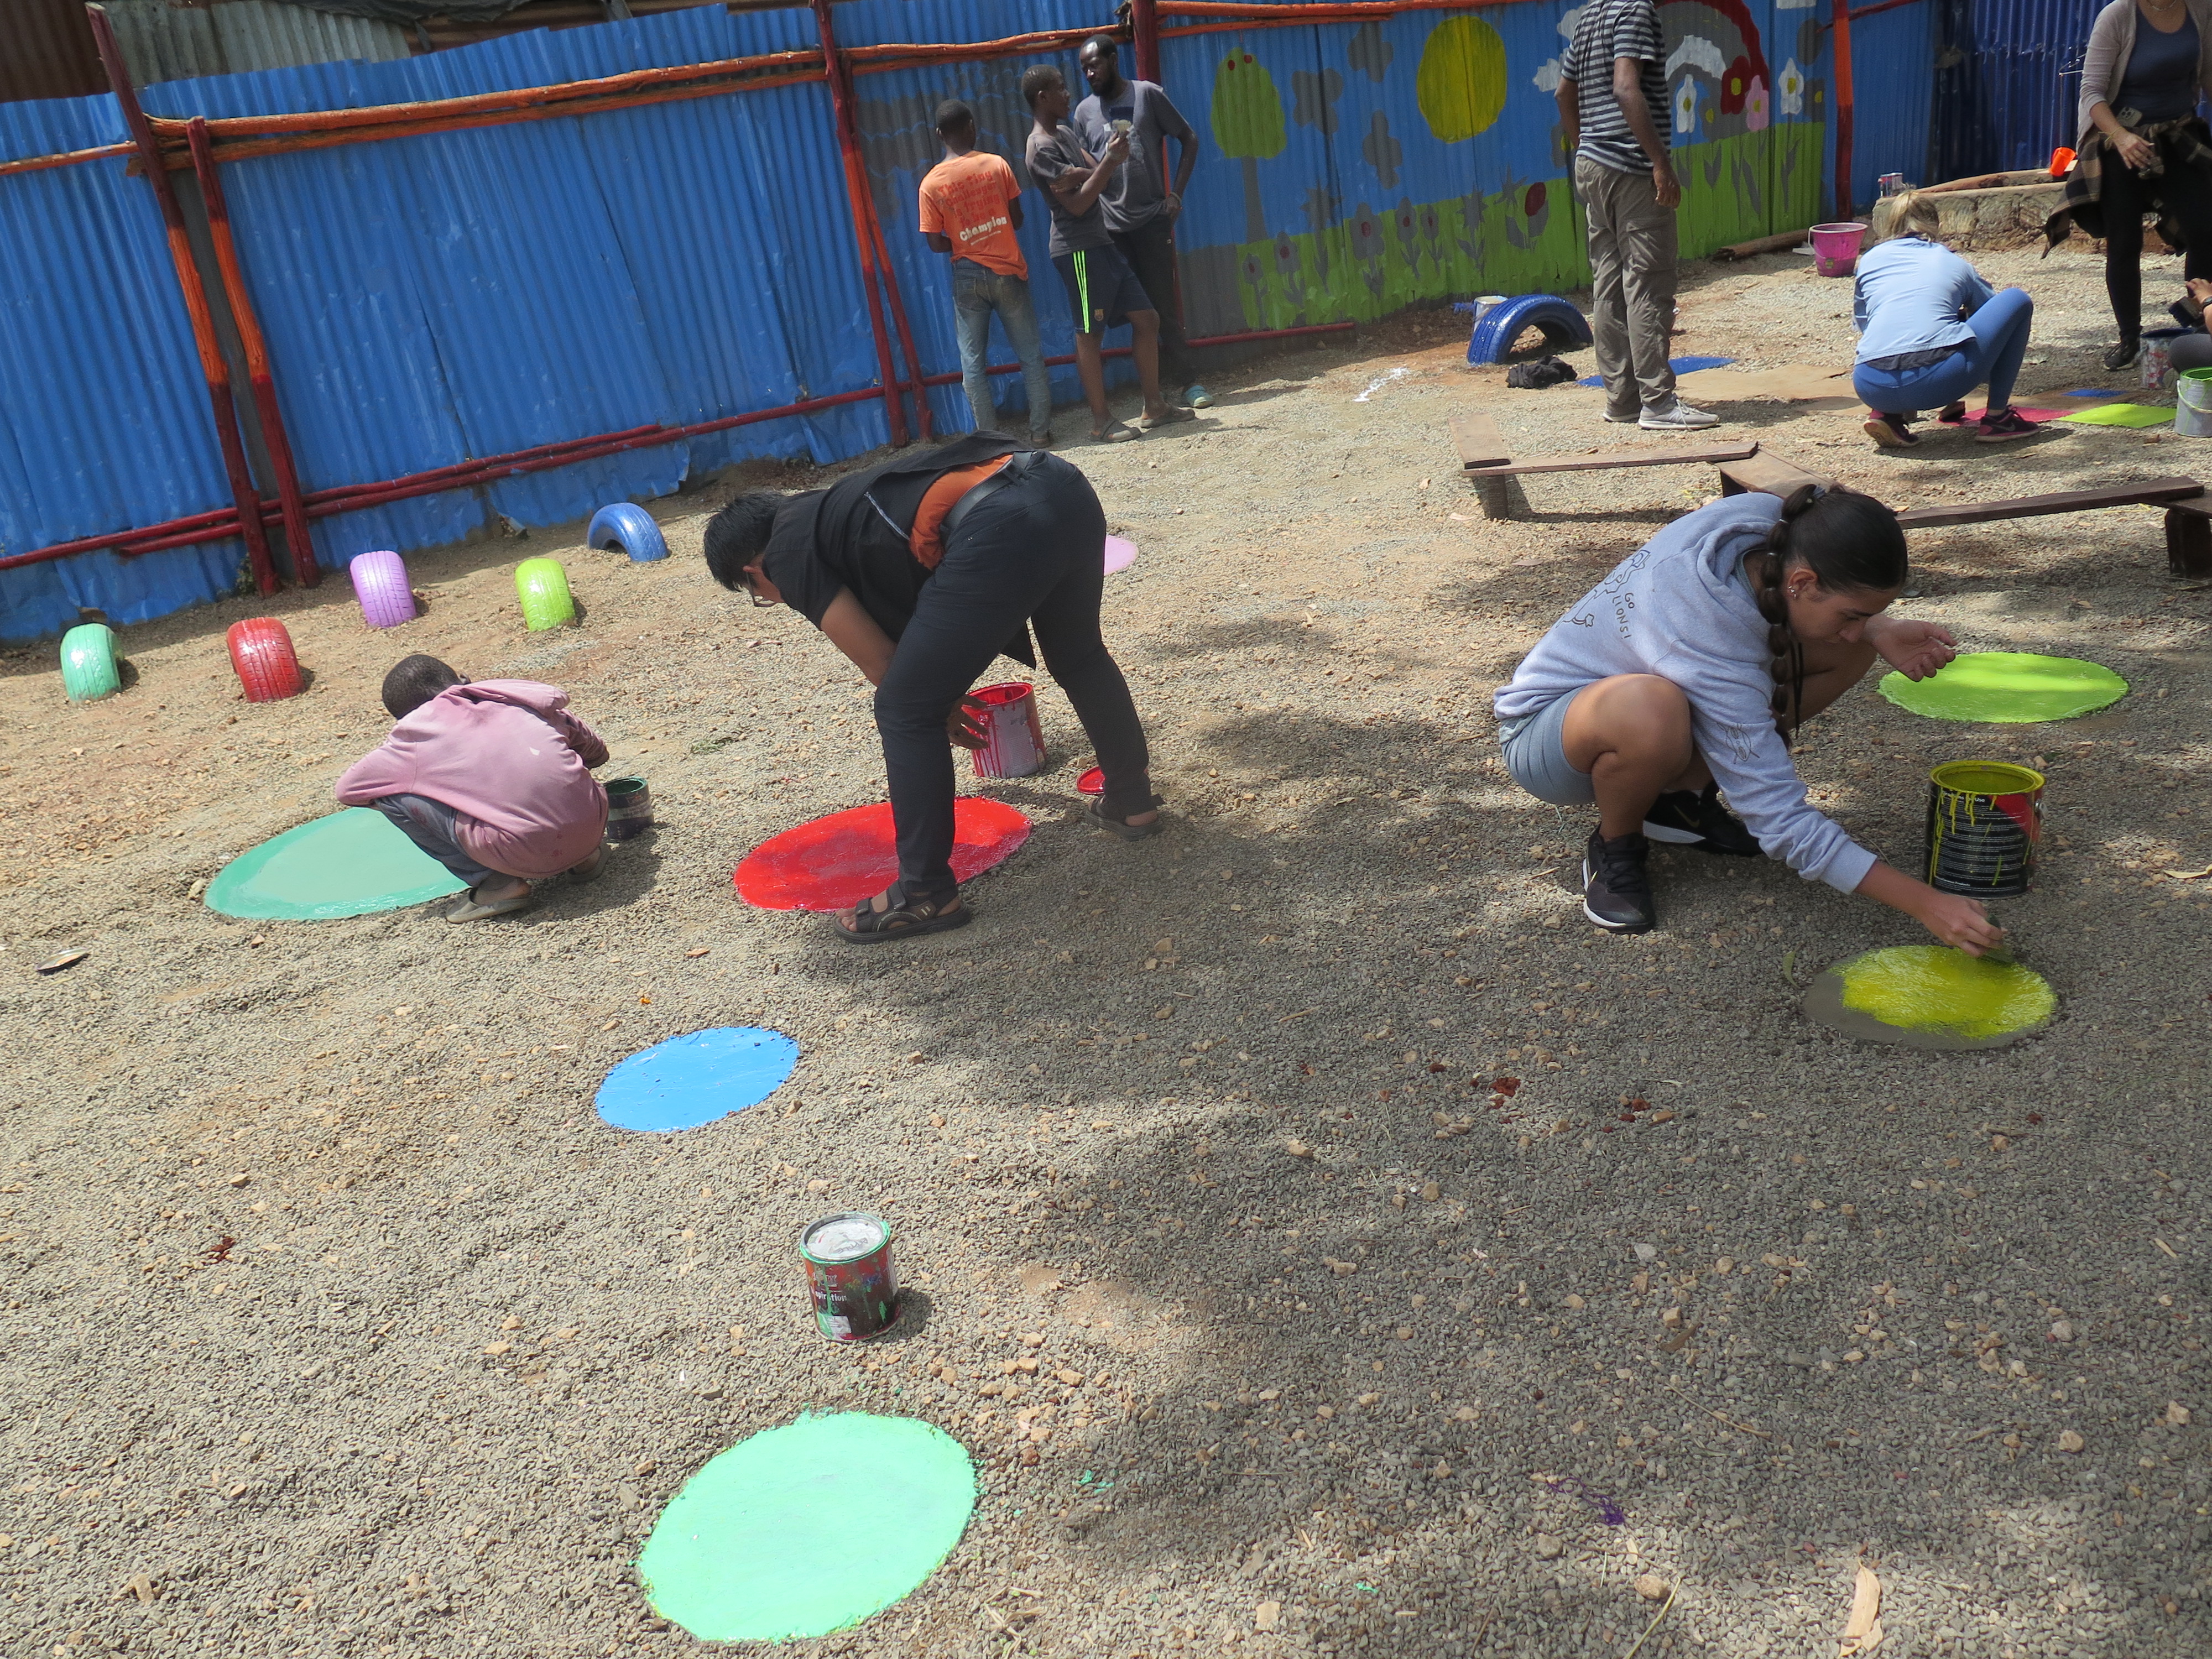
[[379, 582]]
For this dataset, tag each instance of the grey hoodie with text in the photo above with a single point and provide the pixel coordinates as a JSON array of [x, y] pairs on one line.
[[1680, 607]]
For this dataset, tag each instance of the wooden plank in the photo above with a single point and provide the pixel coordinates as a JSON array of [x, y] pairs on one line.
[[2189, 539], [2157, 491], [1479, 440], [1606, 460], [1768, 474]]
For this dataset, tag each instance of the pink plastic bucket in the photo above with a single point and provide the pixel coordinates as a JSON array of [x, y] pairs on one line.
[[1013, 744], [1836, 248]]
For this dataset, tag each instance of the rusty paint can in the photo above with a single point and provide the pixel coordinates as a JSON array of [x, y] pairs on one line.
[[629, 808], [1013, 744], [1984, 827], [850, 1276]]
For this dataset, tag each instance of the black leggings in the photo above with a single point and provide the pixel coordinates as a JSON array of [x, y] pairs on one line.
[[1034, 550], [2187, 192]]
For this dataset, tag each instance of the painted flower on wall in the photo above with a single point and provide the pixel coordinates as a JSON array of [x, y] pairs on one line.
[[1791, 86], [1755, 114], [1736, 84], [1366, 233], [1686, 105]]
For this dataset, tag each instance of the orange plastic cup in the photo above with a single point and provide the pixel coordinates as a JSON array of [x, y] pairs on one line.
[[2062, 159]]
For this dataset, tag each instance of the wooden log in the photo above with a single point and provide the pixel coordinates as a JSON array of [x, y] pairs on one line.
[[2189, 537], [1785, 243], [2154, 492], [1480, 443], [1770, 475], [1608, 461]]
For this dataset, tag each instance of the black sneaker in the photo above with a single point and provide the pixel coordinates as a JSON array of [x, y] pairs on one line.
[[2121, 356], [1616, 893], [1683, 819]]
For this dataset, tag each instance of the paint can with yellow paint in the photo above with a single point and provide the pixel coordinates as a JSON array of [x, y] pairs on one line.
[[1985, 826]]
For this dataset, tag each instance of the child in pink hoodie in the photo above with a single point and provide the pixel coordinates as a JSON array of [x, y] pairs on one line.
[[492, 779]]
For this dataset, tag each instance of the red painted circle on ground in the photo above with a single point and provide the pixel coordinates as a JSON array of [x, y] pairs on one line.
[[839, 860]]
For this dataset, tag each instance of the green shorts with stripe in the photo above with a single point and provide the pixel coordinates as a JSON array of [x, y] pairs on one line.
[[1102, 291]]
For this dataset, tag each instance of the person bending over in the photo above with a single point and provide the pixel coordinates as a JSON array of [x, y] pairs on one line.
[[1688, 669], [1930, 331], [1102, 291], [922, 570], [492, 779]]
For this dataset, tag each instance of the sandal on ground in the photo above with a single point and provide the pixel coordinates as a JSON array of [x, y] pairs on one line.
[[1889, 431], [591, 868], [1115, 432], [1169, 417], [2002, 426], [905, 919], [1094, 814], [1952, 414], [472, 908]]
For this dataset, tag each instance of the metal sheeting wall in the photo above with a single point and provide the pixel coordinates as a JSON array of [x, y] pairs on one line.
[[2009, 82], [48, 51], [103, 411], [1893, 65], [166, 42]]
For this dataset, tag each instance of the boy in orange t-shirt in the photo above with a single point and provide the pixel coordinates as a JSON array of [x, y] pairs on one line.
[[971, 206]]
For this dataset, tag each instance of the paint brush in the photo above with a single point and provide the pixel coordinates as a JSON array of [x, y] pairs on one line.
[[2001, 954]]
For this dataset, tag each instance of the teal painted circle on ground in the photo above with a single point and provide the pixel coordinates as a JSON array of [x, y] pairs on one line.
[[809, 1528], [696, 1078], [2012, 687], [346, 865]]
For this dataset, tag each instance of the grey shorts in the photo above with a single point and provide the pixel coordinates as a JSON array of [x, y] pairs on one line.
[[1536, 755]]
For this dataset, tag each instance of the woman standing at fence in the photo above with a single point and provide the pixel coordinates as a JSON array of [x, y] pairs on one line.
[[2144, 149]]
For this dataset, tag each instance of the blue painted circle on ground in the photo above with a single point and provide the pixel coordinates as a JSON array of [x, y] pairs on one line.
[[695, 1078]]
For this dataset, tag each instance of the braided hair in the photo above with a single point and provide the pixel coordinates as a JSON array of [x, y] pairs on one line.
[[1851, 542]]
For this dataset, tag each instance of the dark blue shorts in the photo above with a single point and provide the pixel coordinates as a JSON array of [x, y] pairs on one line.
[[1102, 291]]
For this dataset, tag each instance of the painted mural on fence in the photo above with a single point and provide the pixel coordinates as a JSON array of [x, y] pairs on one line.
[[1348, 172]]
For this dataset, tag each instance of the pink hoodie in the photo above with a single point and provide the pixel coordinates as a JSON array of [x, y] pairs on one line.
[[510, 760]]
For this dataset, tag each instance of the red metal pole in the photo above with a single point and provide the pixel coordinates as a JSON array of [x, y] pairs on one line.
[[1144, 27], [898, 317], [849, 144], [247, 498], [1843, 111], [256, 356]]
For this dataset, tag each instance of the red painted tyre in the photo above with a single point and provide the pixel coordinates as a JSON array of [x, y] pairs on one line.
[[261, 651]]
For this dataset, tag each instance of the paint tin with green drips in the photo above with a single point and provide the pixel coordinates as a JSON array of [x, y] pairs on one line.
[[1984, 825], [629, 808], [850, 1276]]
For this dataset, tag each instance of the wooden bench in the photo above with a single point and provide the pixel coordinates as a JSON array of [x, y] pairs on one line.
[[1487, 463], [2188, 514]]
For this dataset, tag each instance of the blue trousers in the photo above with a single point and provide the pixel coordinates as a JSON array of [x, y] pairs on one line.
[[1993, 356], [977, 292]]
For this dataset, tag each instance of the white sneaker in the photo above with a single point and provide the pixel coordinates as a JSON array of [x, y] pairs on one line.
[[1678, 416]]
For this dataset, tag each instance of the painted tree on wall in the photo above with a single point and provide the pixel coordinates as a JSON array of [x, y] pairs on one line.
[[1248, 124], [1460, 85]]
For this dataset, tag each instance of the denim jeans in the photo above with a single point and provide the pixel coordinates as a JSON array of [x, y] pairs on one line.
[[976, 292], [429, 824], [1993, 356]]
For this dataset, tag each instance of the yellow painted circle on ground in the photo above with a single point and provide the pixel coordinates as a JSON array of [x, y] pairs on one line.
[[1931, 987]]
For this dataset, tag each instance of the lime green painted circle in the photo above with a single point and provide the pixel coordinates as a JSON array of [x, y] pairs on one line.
[[808, 1528], [346, 865], [2013, 687], [1460, 85], [1932, 987]]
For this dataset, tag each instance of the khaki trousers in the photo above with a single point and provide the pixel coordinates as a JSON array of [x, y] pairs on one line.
[[1632, 252]]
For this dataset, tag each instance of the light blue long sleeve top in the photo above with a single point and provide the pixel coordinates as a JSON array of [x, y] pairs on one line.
[[1680, 607], [1913, 294]]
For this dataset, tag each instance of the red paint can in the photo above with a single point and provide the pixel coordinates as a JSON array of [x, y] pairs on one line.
[[849, 1275], [1013, 744]]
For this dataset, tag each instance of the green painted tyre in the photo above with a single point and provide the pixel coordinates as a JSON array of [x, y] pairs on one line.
[[543, 586], [88, 668]]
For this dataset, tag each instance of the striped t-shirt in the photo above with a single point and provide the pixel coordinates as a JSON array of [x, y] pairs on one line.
[[1609, 29]]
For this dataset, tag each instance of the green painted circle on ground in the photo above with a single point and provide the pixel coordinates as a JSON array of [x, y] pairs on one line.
[[2013, 687], [1934, 989], [808, 1528], [346, 865]]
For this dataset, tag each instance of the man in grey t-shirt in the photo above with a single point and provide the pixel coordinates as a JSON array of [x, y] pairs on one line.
[[1612, 89], [1140, 206]]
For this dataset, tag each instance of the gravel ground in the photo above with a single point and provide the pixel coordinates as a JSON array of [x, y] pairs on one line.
[[1290, 1145]]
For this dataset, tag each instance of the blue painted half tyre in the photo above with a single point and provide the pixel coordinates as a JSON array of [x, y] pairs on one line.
[[88, 669], [1566, 328], [629, 527]]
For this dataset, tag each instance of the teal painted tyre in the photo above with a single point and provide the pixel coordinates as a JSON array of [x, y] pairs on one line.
[[88, 668], [543, 586]]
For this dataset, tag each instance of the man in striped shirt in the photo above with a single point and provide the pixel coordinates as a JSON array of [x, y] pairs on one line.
[[1610, 87]]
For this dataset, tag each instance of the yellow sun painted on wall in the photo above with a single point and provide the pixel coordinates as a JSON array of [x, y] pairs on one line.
[[1461, 86]]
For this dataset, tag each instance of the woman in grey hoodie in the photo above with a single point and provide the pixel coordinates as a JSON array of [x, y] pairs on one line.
[[1687, 670]]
